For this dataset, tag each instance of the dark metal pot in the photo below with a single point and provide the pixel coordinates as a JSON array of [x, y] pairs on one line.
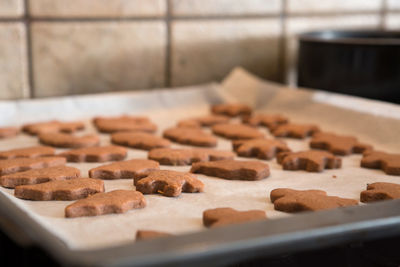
[[362, 63]]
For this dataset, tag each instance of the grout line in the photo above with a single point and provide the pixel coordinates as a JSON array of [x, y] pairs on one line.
[[168, 47], [29, 50], [282, 43]]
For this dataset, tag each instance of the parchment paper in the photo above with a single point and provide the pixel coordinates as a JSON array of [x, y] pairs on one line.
[[373, 122]]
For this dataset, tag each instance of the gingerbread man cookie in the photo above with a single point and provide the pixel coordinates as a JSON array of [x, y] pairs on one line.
[[139, 140], [268, 120], [52, 126], [124, 123], [169, 183], [293, 130], [190, 136], [37, 176], [8, 166], [150, 234], [60, 190], [338, 144], [208, 120], [225, 216], [28, 152], [64, 140], [389, 163], [290, 200], [179, 157], [311, 160], [233, 169], [236, 131], [7, 132], [380, 191], [95, 154], [134, 168], [117, 201], [259, 148], [231, 109]]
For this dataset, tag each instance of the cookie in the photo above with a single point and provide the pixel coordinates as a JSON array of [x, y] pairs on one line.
[[290, 200], [7, 132], [8, 166], [117, 201], [53, 126], [203, 121], [338, 144], [64, 140], [179, 157], [37, 176], [231, 109], [270, 121], [60, 190], [134, 168], [225, 216], [28, 152], [259, 148], [169, 183], [310, 160], [233, 169], [380, 191], [149, 234], [124, 123], [190, 136], [95, 154], [236, 131], [292, 130], [389, 163], [139, 140]]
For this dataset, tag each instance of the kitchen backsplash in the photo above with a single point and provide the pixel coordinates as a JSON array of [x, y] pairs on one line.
[[59, 47]]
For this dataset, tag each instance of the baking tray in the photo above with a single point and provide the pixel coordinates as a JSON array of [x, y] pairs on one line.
[[237, 242]]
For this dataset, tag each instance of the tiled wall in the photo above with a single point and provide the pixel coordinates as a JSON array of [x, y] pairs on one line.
[[59, 47]]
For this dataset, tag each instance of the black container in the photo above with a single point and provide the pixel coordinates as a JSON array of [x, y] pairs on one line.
[[361, 63]]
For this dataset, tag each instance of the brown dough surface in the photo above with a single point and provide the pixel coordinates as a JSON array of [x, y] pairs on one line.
[[134, 168], [310, 160], [226, 216]]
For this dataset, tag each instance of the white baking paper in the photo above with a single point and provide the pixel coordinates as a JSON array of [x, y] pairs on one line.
[[371, 121]]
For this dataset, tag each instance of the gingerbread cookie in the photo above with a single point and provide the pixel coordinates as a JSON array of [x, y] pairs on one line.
[[233, 169], [190, 136], [380, 191], [8, 166], [259, 148], [68, 140], [95, 154], [236, 131], [28, 152], [338, 144], [231, 109], [225, 216], [124, 123], [139, 140], [149, 234], [169, 183], [37, 176], [311, 160], [53, 126], [60, 190], [292, 130], [389, 163], [290, 200], [7, 132], [208, 120], [178, 157], [117, 201], [268, 120], [134, 168]]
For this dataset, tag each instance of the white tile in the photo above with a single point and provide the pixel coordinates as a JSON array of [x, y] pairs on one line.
[[13, 61], [204, 51], [87, 57], [11, 8], [310, 6]]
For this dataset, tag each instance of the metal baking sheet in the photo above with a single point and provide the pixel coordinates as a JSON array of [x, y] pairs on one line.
[[342, 114]]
